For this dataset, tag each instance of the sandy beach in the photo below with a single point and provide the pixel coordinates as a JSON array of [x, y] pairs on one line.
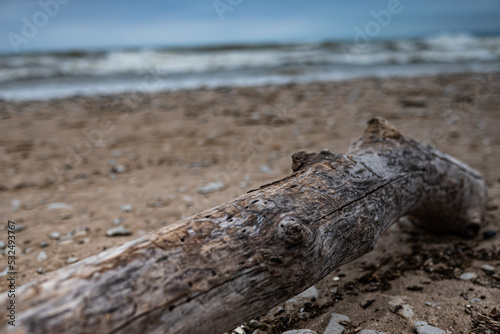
[[73, 169]]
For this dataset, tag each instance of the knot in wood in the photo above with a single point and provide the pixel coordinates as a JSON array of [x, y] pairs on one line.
[[293, 231]]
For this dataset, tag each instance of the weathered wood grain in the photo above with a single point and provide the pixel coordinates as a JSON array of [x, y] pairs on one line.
[[212, 271]]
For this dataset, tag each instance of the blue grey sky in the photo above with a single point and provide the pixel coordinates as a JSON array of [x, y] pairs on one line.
[[96, 24]]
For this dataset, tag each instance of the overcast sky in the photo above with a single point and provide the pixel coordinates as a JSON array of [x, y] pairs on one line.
[[83, 24]]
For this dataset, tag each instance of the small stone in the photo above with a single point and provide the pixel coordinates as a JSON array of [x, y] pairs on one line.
[[112, 176], [119, 169], [3, 245], [488, 269], [300, 331], [19, 227], [253, 323], [308, 295], [43, 244], [423, 328], [366, 303], [117, 221], [55, 235], [211, 187], [41, 270], [42, 256], [488, 234], [369, 331], [59, 205], [335, 325], [65, 216], [118, 231], [266, 169], [127, 208], [71, 259], [239, 330], [468, 276], [16, 204], [401, 308], [336, 279], [258, 331]]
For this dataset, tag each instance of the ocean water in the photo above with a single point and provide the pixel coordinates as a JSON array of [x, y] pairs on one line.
[[56, 75]]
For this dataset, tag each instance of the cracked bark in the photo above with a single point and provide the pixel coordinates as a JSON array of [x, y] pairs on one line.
[[212, 271]]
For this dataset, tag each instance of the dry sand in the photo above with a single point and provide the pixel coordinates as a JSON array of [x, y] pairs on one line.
[[152, 152]]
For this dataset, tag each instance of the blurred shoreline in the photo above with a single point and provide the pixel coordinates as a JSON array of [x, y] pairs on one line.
[[42, 76]]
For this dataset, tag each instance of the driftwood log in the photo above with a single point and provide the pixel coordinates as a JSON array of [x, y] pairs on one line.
[[210, 272]]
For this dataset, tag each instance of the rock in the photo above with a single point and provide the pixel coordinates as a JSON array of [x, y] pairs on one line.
[[65, 216], [71, 259], [335, 325], [19, 227], [16, 204], [416, 102], [468, 276], [126, 208], [488, 269], [118, 231], [401, 308], [423, 328], [59, 205], [308, 295], [117, 221], [488, 234], [211, 187], [55, 235], [3, 245], [41, 270], [366, 303], [43, 244], [266, 169], [369, 331], [258, 331], [42, 256], [300, 331], [119, 169]]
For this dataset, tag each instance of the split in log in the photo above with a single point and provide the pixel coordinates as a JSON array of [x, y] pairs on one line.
[[210, 272]]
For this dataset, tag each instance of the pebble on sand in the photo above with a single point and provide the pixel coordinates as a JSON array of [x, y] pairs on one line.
[[59, 205], [401, 307], [16, 204], [369, 331], [335, 326], [423, 327], [42, 256], [468, 276], [211, 187], [308, 295], [300, 331], [118, 231], [41, 270], [488, 269], [126, 208], [55, 235], [71, 259]]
